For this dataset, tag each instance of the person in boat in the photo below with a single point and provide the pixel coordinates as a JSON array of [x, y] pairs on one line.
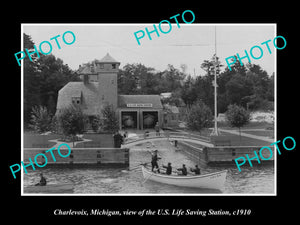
[[196, 170], [169, 169], [154, 160], [175, 143], [183, 170], [43, 181]]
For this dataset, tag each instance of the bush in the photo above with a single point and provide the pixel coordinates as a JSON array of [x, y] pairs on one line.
[[199, 116], [95, 123], [237, 116], [71, 120], [110, 121], [40, 119]]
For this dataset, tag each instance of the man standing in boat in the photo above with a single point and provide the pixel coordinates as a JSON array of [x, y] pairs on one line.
[[196, 170], [183, 170], [154, 160]]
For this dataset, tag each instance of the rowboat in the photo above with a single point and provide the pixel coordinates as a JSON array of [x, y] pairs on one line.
[[50, 189], [212, 180]]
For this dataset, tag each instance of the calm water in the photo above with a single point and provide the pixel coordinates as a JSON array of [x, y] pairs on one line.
[[257, 180]]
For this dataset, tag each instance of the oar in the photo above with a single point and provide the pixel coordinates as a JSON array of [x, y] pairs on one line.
[[138, 166], [144, 181], [134, 168]]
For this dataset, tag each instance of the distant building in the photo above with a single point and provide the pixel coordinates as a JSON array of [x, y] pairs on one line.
[[166, 95], [221, 117], [171, 115], [98, 87]]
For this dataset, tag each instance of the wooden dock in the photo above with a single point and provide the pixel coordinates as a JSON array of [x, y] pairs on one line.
[[222, 155], [81, 157]]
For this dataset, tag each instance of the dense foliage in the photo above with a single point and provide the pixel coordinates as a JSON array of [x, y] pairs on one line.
[[199, 116], [40, 119], [248, 86], [71, 120], [110, 120], [43, 78]]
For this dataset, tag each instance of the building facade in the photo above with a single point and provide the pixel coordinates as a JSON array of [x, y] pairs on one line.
[[99, 87]]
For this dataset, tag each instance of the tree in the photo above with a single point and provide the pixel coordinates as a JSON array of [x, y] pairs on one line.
[[199, 116], [138, 79], [209, 66], [237, 88], [171, 79], [237, 116], [43, 78], [31, 82], [127, 80], [96, 123], [188, 91], [204, 90], [54, 74], [71, 120], [40, 119], [262, 87], [270, 92], [202, 87], [110, 119], [237, 67]]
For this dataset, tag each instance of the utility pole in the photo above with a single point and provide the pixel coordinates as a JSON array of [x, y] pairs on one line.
[[215, 130]]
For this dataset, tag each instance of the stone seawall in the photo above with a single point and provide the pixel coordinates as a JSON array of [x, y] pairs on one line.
[[80, 157], [221, 154]]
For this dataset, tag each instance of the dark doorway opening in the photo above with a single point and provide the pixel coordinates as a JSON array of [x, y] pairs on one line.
[[129, 120], [150, 118]]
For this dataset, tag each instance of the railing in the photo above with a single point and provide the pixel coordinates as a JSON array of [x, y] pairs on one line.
[[165, 134]]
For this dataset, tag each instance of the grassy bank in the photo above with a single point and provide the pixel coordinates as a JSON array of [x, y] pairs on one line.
[[262, 129]]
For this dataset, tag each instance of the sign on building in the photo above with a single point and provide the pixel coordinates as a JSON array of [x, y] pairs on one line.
[[131, 105]]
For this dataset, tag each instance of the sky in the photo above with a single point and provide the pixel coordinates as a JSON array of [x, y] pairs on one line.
[[190, 44]]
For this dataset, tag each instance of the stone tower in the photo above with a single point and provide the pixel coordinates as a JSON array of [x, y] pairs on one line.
[[107, 69]]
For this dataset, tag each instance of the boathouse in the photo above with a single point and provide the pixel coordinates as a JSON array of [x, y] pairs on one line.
[[98, 87]]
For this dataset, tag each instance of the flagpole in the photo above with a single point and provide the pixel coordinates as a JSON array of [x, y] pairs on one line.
[[215, 130]]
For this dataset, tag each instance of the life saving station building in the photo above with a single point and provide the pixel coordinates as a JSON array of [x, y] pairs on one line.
[[98, 87]]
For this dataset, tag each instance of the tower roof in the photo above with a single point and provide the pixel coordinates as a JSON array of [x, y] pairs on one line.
[[108, 59]]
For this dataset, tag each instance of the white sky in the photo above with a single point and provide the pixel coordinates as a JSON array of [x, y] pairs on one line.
[[190, 44]]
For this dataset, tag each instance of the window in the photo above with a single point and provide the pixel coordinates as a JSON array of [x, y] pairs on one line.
[[76, 100], [101, 66], [114, 66]]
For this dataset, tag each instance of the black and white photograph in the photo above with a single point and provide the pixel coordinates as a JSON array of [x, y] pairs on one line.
[[150, 113], [144, 109]]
